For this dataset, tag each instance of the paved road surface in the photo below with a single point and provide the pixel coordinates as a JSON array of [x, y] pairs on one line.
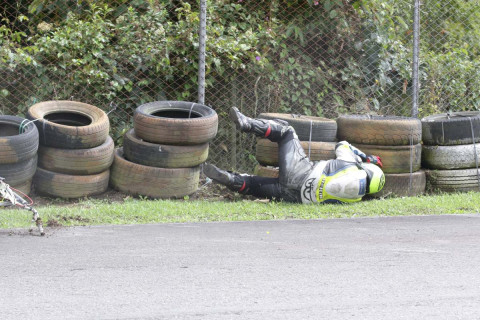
[[379, 268]]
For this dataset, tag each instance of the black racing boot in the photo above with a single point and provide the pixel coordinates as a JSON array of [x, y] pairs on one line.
[[233, 181], [272, 129]]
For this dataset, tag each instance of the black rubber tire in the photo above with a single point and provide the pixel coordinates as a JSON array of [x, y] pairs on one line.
[[453, 180], [139, 180], [264, 171], [77, 161], [267, 151], [68, 186], [161, 155], [69, 124], [451, 129], [25, 187], [18, 173], [175, 123], [14, 146], [322, 129], [398, 184], [395, 159], [379, 130], [450, 157]]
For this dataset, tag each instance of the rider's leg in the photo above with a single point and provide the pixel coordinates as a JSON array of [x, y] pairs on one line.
[[293, 163], [270, 129], [261, 187]]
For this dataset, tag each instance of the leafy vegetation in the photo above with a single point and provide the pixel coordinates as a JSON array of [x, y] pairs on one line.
[[316, 57]]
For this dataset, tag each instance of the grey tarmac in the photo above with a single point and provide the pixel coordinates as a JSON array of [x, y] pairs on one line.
[[418, 267]]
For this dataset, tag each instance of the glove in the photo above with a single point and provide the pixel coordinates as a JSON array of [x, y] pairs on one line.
[[375, 160]]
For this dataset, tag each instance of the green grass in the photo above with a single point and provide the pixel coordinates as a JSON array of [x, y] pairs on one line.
[[136, 211]]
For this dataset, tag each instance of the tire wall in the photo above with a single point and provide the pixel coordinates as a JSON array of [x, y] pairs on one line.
[[451, 151], [308, 128], [266, 171], [403, 184], [175, 123], [396, 140], [64, 131], [379, 130], [18, 152], [75, 151], [136, 179], [162, 154], [396, 159]]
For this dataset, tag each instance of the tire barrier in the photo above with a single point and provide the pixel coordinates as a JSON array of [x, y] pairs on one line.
[[396, 159], [175, 123], [403, 185], [162, 154], [77, 161], [379, 130], [75, 151], [18, 173], [451, 157], [139, 180], [453, 180], [454, 128], [69, 124], [397, 141], [18, 142], [266, 171], [18, 151], [70, 186], [451, 148], [25, 187], [308, 128]]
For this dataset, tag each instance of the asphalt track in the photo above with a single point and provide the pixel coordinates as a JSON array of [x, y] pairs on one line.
[[370, 268]]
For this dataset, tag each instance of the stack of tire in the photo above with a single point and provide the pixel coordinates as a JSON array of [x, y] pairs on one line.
[[397, 141], [451, 151], [161, 155], [75, 151], [18, 152], [317, 136]]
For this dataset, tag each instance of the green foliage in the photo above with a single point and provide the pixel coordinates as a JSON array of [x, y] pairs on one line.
[[325, 57], [102, 56], [451, 57]]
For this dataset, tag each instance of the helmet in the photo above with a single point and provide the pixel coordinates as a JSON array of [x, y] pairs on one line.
[[375, 177]]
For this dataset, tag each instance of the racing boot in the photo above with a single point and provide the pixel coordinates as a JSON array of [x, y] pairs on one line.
[[233, 181], [271, 129]]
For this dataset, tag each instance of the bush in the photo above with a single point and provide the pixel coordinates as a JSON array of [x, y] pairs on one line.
[[322, 58]]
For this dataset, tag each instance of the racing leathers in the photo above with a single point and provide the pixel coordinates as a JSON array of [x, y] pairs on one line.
[[340, 180]]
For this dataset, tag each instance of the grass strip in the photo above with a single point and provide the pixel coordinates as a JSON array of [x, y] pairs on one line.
[[138, 211]]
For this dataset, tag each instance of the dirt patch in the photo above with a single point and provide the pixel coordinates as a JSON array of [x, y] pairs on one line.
[[110, 196], [207, 191], [53, 223]]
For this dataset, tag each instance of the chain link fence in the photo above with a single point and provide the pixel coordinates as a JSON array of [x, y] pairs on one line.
[[449, 56], [322, 58]]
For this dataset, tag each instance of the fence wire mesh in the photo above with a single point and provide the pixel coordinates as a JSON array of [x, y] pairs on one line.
[[322, 58]]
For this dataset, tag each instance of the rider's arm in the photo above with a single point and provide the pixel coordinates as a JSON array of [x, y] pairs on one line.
[[343, 148]]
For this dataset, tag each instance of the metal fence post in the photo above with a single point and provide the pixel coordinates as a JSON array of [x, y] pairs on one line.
[[416, 53], [201, 51]]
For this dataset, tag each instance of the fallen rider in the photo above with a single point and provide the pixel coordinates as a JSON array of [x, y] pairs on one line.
[[345, 179]]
